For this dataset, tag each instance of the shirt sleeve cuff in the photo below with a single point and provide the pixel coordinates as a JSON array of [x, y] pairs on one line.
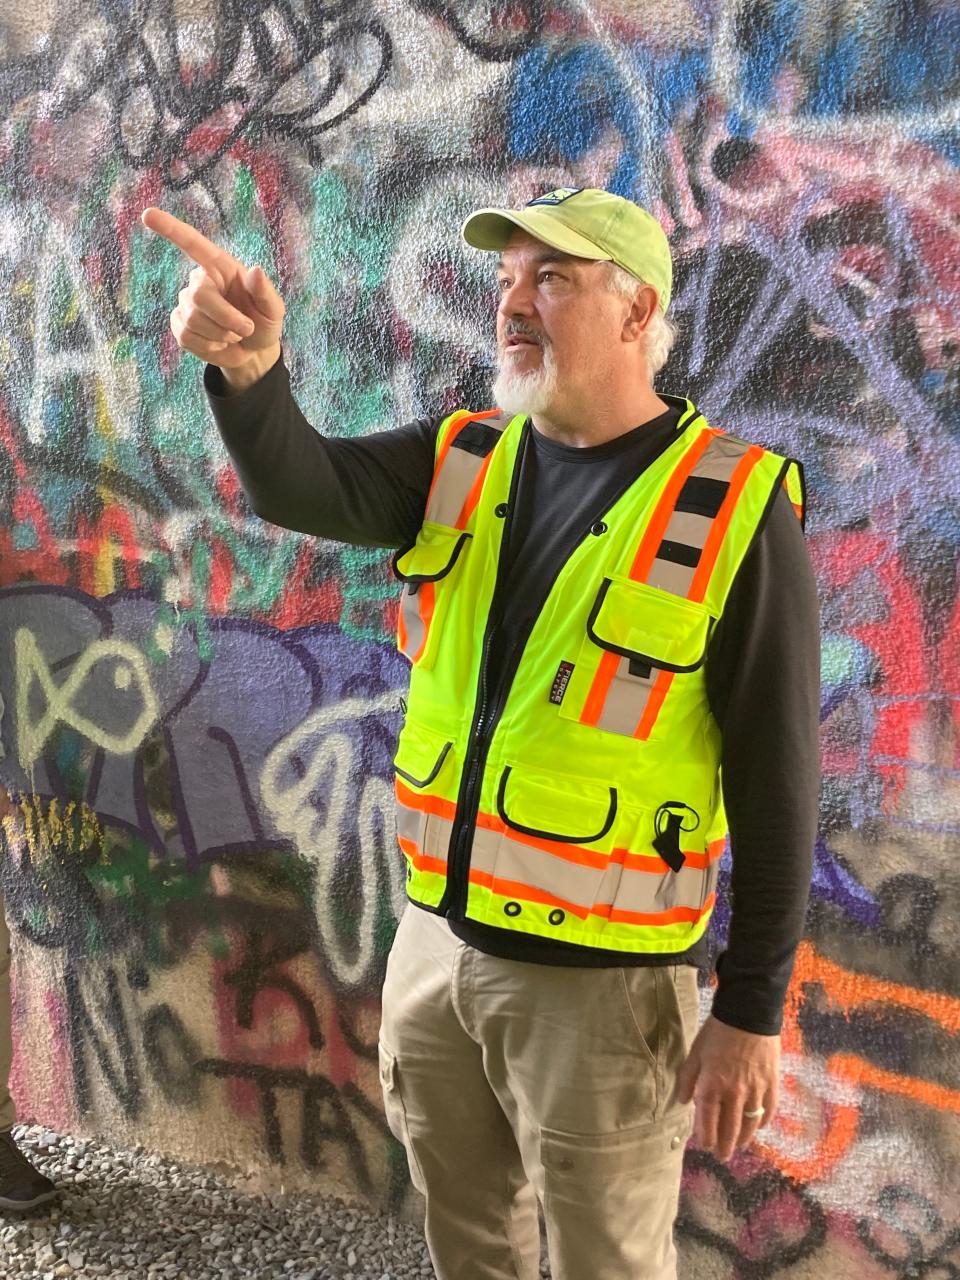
[[239, 410], [750, 1004]]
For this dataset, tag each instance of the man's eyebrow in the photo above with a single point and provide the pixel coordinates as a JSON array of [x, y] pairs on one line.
[[548, 255]]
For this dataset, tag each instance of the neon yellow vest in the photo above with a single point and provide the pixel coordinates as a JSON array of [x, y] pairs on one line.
[[587, 808]]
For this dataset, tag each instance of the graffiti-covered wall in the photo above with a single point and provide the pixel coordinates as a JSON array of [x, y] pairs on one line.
[[200, 874]]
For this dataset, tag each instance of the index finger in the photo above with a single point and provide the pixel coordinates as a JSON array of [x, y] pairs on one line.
[[192, 242]]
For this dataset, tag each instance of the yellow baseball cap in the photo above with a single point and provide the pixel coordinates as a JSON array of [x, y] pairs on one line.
[[586, 223]]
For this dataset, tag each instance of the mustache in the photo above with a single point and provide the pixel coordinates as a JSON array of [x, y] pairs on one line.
[[517, 329]]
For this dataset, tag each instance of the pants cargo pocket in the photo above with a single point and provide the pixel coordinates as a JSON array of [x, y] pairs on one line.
[[610, 1200], [396, 1113]]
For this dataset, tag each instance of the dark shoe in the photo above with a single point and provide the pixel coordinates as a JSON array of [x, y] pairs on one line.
[[22, 1186]]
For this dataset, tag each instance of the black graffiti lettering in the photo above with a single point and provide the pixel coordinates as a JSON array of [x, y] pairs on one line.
[[256, 973], [324, 1117], [171, 1053], [908, 904], [743, 1199], [926, 1247], [334, 61], [894, 1039], [488, 33], [119, 1068]]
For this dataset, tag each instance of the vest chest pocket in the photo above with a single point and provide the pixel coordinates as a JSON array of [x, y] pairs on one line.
[[639, 641], [428, 573]]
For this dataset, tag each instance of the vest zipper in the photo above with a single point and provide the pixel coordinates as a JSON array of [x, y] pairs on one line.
[[454, 900]]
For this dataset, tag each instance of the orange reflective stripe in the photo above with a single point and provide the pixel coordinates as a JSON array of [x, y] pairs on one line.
[[647, 551], [420, 860], [524, 893], [650, 712], [456, 426], [424, 804], [593, 707], [401, 631], [473, 497], [426, 600], [676, 915], [711, 548]]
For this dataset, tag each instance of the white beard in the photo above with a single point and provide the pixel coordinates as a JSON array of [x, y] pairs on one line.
[[526, 393]]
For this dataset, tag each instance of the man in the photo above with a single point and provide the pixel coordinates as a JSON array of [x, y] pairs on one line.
[[605, 600], [22, 1186]]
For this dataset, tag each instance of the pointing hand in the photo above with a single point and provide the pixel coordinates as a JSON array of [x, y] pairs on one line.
[[228, 315]]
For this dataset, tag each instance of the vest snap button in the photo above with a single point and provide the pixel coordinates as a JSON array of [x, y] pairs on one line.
[[557, 916], [674, 1142], [512, 909], [597, 528], [501, 509]]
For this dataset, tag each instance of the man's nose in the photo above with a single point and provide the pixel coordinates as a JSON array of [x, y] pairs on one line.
[[516, 299]]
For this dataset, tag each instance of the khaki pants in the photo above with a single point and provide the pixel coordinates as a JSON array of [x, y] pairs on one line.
[[7, 1114], [510, 1082]]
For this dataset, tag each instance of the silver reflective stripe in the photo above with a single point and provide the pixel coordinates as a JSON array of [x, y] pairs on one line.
[[460, 470], [626, 700], [675, 578], [428, 831], [720, 458], [586, 886], [409, 822], [711, 877], [410, 605], [689, 528], [457, 475]]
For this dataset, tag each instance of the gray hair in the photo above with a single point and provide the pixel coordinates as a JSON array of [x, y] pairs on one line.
[[661, 332]]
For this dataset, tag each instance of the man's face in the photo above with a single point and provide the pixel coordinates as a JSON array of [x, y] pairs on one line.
[[558, 326]]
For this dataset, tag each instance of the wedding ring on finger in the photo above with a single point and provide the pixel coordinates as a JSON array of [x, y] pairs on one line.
[[753, 1115]]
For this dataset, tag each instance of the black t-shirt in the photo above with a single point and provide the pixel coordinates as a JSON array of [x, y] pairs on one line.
[[762, 666]]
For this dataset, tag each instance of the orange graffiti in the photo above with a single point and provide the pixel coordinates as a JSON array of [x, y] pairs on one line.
[[832, 1129]]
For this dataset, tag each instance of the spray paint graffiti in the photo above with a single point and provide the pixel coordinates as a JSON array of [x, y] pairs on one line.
[[199, 708]]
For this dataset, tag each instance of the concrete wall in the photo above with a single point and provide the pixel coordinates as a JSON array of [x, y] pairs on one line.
[[202, 881]]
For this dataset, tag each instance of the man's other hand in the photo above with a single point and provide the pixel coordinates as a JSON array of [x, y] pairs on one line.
[[228, 315], [728, 1073]]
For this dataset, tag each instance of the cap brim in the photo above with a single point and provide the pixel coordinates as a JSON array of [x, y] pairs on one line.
[[492, 229]]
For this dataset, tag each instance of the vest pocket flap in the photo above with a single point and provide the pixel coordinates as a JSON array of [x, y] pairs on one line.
[[650, 626], [421, 754], [432, 556], [540, 806]]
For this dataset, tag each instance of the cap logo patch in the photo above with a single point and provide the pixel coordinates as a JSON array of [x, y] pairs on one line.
[[556, 197]]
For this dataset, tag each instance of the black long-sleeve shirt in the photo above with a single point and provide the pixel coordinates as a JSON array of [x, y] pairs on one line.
[[762, 665]]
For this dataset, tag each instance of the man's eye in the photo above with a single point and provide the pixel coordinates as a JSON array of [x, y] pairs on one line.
[[548, 275], [503, 284]]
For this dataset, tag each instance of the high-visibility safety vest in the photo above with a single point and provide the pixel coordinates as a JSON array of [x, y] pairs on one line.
[[584, 803]]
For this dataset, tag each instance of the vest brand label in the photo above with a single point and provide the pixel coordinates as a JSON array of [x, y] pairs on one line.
[[560, 682]]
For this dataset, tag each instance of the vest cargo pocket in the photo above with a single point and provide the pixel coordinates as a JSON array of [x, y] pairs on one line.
[[427, 571], [578, 816], [424, 762], [639, 640]]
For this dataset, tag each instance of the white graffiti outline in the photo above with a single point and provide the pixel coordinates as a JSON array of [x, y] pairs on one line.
[[317, 835], [30, 665]]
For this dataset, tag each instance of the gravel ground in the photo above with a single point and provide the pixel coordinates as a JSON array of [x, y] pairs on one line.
[[128, 1214]]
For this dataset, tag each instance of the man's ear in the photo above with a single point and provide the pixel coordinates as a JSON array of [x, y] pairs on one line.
[[640, 314]]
